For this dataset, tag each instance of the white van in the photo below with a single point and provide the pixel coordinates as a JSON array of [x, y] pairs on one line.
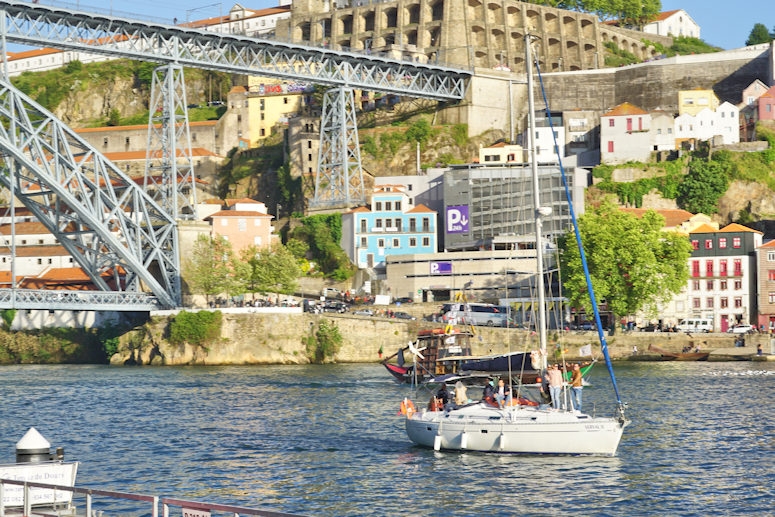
[[695, 325], [475, 314]]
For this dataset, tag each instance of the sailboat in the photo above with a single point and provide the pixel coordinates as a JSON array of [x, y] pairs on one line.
[[527, 429]]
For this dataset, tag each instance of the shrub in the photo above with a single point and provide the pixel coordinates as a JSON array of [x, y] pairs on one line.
[[195, 328], [323, 344]]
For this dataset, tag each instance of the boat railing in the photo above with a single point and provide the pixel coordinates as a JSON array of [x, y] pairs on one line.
[[107, 499]]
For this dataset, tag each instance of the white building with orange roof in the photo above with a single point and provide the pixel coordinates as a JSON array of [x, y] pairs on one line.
[[389, 227], [625, 135], [673, 23], [244, 223]]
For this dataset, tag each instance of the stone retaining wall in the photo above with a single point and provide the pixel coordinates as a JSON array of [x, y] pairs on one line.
[[276, 338]]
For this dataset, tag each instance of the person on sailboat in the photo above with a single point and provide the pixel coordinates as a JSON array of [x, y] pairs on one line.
[[461, 397], [488, 395], [577, 384], [503, 393], [555, 385], [443, 395]]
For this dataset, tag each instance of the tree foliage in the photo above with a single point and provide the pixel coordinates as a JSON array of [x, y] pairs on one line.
[[210, 269], [705, 183], [634, 265], [268, 269], [759, 34], [322, 233]]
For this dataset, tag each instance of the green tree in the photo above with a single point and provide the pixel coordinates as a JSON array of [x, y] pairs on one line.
[[322, 233], [705, 183], [759, 34], [268, 269], [210, 270], [633, 263]]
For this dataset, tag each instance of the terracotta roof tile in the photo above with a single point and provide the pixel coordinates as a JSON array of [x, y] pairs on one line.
[[625, 109], [704, 228], [420, 209], [734, 227]]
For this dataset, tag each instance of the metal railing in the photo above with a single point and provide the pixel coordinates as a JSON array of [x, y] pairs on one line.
[[192, 508]]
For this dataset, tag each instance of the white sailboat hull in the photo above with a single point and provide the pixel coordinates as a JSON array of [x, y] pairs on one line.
[[526, 430]]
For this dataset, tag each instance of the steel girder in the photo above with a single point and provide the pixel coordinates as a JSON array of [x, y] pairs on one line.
[[118, 235], [339, 181], [169, 168], [38, 25]]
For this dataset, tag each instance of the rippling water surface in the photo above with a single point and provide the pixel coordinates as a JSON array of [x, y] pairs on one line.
[[326, 441]]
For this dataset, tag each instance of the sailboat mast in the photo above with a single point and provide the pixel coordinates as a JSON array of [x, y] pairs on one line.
[[539, 210]]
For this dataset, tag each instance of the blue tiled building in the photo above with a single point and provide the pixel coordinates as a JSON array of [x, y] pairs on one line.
[[390, 227]]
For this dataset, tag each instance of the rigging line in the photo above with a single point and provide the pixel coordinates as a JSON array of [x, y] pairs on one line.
[[582, 254]]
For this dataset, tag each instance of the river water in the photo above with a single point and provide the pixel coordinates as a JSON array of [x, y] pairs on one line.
[[326, 441]]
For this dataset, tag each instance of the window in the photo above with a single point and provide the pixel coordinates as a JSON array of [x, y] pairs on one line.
[[398, 224], [695, 244], [736, 242], [412, 225], [724, 302], [378, 223], [708, 303], [709, 268], [364, 243], [738, 285], [388, 222], [426, 224], [611, 122], [629, 125], [695, 285], [396, 244], [398, 206], [412, 242], [696, 303], [695, 268], [709, 285], [738, 302], [738, 267], [771, 274], [378, 206], [723, 285], [708, 244], [426, 241], [363, 226], [771, 297], [610, 146], [381, 243], [388, 206], [126, 141], [771, 256], [722, 266]]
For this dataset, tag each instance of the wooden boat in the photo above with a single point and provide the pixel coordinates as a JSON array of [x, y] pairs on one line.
[[679, 356], [437, 351]]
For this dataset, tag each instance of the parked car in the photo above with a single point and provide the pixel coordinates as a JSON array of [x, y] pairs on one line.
[[650, 328], [364, 312], [741, 329], [404, 300], [331, 306], [403, 316]]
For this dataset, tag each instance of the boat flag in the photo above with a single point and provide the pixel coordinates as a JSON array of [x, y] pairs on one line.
[[585, 350]]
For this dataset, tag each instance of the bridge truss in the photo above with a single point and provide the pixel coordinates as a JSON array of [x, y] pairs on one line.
[[112, 227]]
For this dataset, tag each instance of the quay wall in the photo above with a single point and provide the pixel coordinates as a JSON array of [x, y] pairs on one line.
[[252, 337]]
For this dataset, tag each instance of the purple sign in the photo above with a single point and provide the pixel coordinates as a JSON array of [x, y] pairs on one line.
[[441, 268], [457, 219]]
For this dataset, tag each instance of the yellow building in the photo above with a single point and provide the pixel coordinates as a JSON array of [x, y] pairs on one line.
[[691, 102], [263, 106]]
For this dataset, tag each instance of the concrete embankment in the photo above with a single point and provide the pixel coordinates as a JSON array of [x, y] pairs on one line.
[[250, 336]]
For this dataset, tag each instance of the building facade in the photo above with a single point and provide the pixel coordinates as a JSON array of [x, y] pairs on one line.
[[391, 227], [723, 275], [673, 23], [766, 268], [625, 135]]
